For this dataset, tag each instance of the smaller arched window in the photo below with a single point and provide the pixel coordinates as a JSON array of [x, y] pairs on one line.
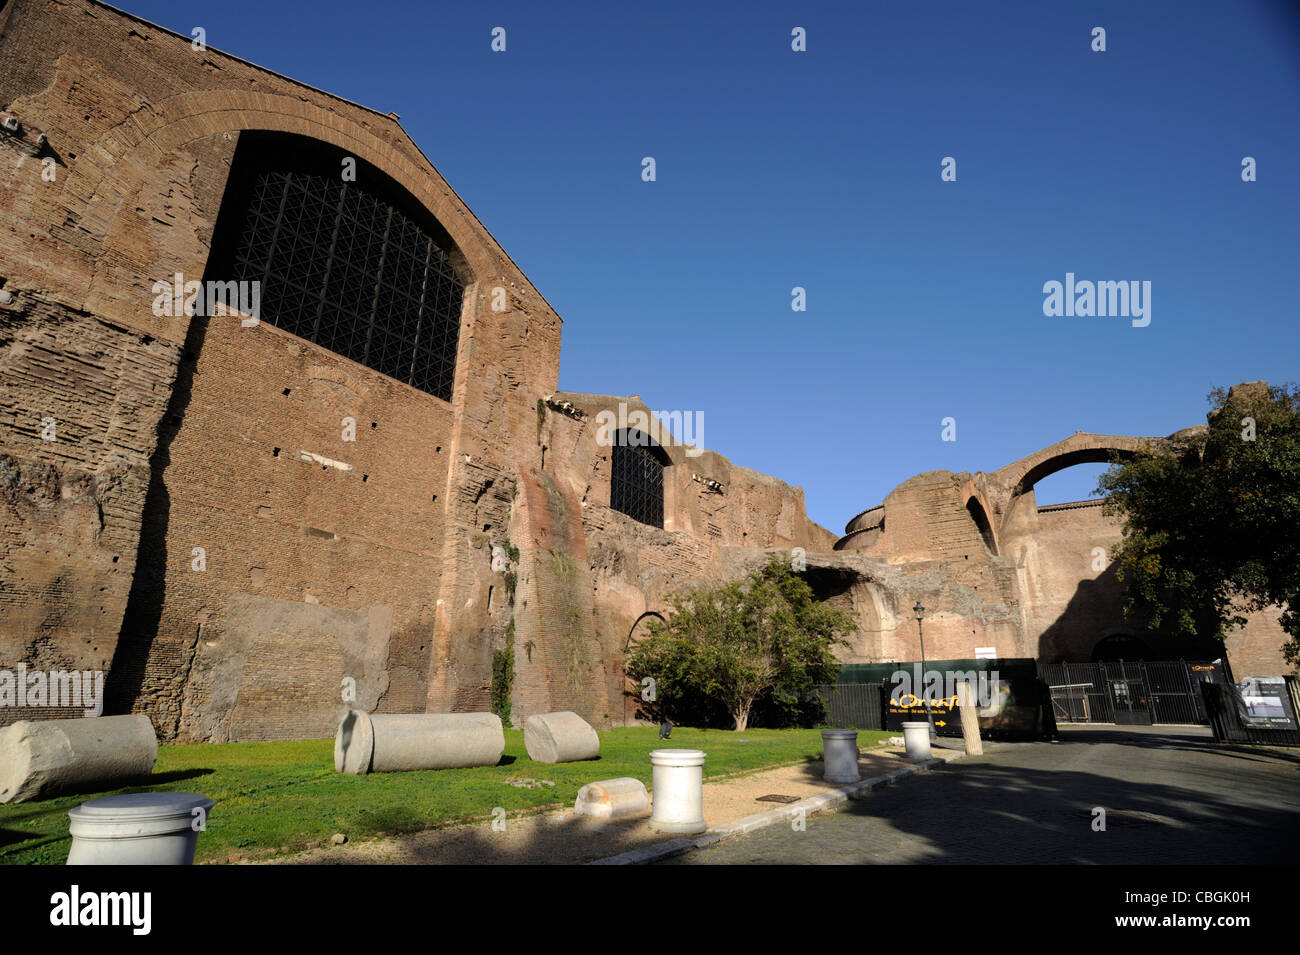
[[981, 519], [636, 484]]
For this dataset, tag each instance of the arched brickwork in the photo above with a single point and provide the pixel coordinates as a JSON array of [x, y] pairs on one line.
[[144, 138]]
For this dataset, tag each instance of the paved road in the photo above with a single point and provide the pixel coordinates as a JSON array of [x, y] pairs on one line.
[[1171, 795]]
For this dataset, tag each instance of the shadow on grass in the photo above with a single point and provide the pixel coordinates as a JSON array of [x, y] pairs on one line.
[[8, 836]]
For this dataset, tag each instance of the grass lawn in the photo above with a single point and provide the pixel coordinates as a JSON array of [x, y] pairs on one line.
[[274, 795]]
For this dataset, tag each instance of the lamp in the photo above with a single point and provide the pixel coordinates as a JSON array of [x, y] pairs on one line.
[[919, 610]]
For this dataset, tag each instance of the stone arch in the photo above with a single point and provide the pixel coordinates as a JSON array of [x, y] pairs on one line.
[[1120, 646], [640, 627], [636, 481], [1080, 448], [631, 688], [122, 157]]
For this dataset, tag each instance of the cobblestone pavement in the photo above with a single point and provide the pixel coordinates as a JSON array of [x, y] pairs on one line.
[[1171, 795]]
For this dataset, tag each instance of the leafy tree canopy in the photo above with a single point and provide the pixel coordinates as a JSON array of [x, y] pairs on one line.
[[744, 647], [1212, 521]]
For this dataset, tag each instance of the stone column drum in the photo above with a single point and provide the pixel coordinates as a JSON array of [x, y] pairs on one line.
[[137, 829], [560, 738], [916, 737], [395, 742], [612, 798], [42, 757], [678, 786], [840, 752]]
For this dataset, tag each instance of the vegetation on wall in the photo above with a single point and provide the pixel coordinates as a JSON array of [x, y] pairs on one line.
[[503, 675]]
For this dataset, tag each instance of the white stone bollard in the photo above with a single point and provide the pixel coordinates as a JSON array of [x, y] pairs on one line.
[[678, 785], [613, 799], [138, 829], [396, 742], [916, 737], [560, 738], [41, 757], [840, 754]]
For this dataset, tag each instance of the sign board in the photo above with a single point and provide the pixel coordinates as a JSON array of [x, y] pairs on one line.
[[1268, 705]]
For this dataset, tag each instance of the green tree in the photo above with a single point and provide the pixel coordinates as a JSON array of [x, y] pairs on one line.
[[1212, 521], [765, 638]]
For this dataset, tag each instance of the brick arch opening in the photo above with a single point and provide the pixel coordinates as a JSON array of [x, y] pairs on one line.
[[981, 519], [1093, 455], [631, 688], [105, 175], [640, 628], [152, 649], [1120, 646], [342, 256], [636, 483]]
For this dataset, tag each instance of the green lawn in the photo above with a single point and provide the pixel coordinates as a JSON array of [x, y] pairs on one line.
[[272, 795]]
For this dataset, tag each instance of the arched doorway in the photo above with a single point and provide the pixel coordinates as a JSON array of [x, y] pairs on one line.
[[631, 688]]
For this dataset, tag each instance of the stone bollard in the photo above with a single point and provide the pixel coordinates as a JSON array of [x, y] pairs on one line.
[[41, 757], [560, 738], [613, 799], [395, 742], [138, 829], [840, 753], [678, 785], [970, 723], [916, 737]]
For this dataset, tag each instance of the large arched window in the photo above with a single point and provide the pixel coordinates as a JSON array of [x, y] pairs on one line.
[[351, 263], [636, 486]]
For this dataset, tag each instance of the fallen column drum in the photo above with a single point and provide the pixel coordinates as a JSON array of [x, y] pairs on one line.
[[397, 742]]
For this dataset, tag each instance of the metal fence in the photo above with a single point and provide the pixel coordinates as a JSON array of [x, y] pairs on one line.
[[1127, 693], [856, 706]]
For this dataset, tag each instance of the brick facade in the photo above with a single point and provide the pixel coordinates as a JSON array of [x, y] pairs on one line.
[[198, 523]]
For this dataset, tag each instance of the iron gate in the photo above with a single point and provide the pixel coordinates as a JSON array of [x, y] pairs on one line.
[[853, 705], [1127, 693]]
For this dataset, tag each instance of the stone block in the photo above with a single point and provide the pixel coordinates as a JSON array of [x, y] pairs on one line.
[[41, 758], [396, 742], [613, 799], [560, 738]]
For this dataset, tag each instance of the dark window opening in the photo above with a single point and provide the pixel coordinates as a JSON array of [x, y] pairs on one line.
[[359, 268], [981, 519], [637, 478]]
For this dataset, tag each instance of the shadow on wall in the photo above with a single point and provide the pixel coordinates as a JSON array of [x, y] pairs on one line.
[[1093, 612], [1093, 627], [144, 604]]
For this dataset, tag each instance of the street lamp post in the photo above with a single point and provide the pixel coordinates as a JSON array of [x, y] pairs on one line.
[[919, 610]]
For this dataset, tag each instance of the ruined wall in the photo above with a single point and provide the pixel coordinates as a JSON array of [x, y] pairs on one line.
[[607, 570], [78, 400], [1002, 572], [1069, 592], [202, 526], [141, 129]]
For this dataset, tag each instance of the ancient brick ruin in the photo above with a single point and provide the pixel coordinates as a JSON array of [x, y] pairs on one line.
[[379, 482]]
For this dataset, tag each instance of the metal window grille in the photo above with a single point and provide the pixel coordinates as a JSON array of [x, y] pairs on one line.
[[637, 481], [345, 270]]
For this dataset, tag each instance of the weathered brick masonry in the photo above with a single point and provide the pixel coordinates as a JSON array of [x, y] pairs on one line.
[[182, 505], [200, 524]]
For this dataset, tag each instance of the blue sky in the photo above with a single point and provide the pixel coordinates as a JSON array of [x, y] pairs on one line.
[[821, 169]]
